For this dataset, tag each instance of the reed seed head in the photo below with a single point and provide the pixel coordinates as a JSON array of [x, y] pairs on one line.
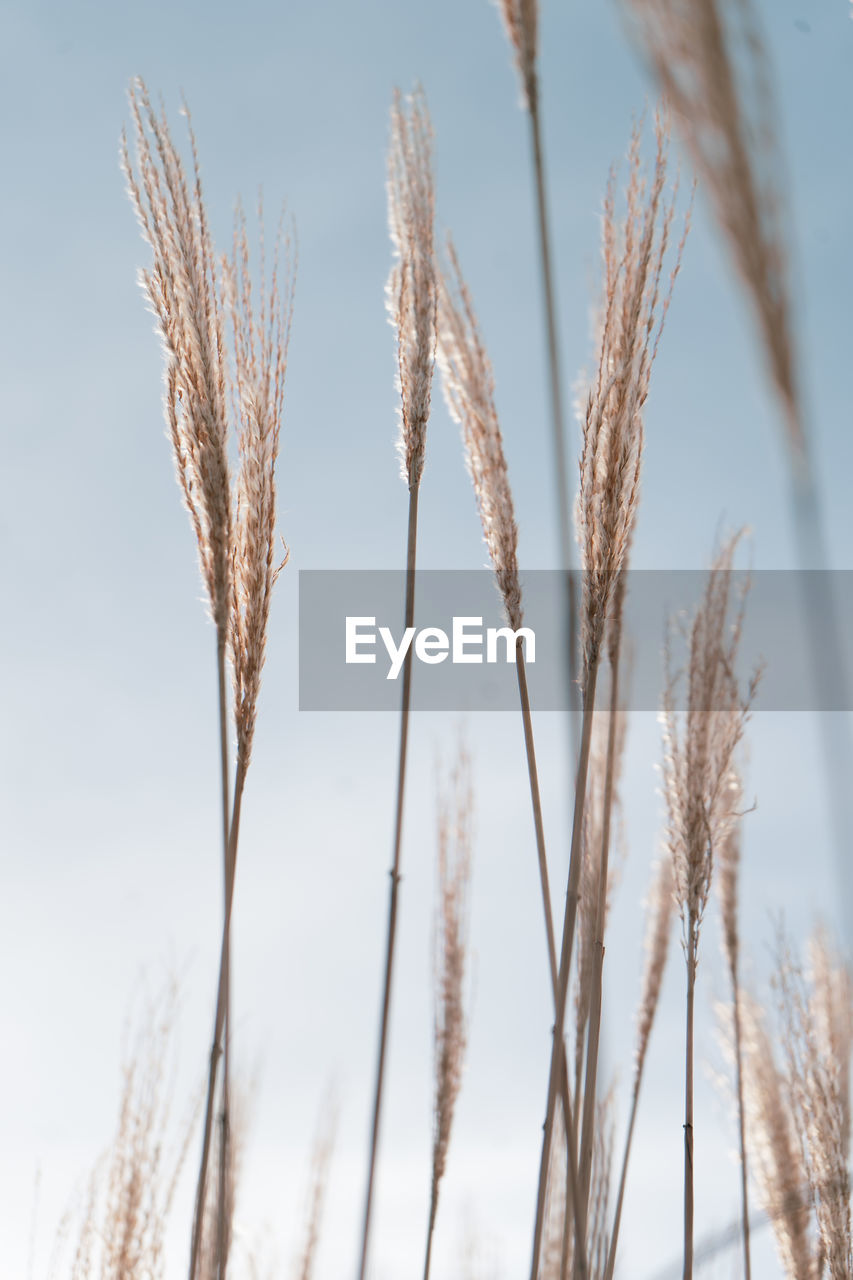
[[633, 308], [776, 1156], [182, 290], [451, 932], [131, 1190], [469, 389], [815, 1012], [412, 291], [521, 22], [659, 913], [729, 861], [711, 64], [698, 754], [261, 331], [593, 824]]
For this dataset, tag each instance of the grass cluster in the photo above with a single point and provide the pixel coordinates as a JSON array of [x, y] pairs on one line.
[[224, 322]]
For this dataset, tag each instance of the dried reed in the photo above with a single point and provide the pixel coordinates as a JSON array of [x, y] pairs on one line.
[[600, 1190], [728, 889], [320, 1160], [412, 297], [217, 1234], [634, 308], [696, 772], [521, 21], [659, 914], [451, 946], [817, 1036], [235, 533], [605, 766], [710, 61], [593, 826], [777, 1156], [183, 291], [468, 383], [131, 1190]]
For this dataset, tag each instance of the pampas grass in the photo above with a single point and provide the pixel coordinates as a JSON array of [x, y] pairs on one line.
[[412, 297], [659, 913], [634, 308], [455, 838], [191, 295], [131, 1191], [817, 1036], [468, 384], [727, 881], [778, 1161], [711, 63], [697, 765], [521, 22], [224, 326], [798, 1109]]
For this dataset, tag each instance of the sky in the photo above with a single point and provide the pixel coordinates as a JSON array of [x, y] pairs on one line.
[[109, 854]]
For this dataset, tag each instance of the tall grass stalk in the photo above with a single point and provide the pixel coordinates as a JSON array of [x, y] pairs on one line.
[[183, 292], [412, 298], [468, 383], [557, 1048], [573, 1181], [658, 930], [521, 20], [411, 553], [455, 838], [728, 891], [594, 1025], [633, 312], [697, 769], [710, 60], [566, 947]]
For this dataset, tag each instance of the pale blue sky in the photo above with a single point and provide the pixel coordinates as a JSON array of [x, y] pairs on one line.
[[108, 805]]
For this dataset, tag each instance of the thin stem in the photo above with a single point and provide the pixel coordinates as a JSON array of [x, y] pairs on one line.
[[747, 1268], [567, 947], [198, 1220], [561, 473], [568, 1113], [395, 874], [433, 1208], [611, 1256], [225, 985], [830, 671], [688, 1108], [594, 1021]]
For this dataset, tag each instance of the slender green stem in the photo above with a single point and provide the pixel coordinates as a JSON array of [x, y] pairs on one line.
[[395, 876], [568, 1112], [567, 946], [594, 1022], [198, 1219]]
